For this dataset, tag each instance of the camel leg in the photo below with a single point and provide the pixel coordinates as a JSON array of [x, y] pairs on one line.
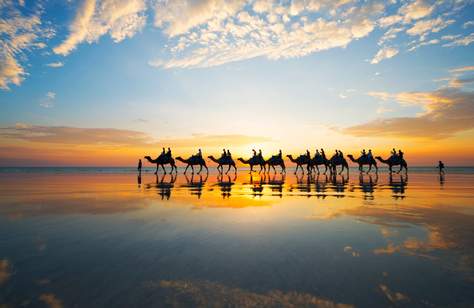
[[192, 169], [200, 169], [156, 171], [186, 169], [370, 168], [317, 169], [227, 170], [164, 170], [207, 170], [260, 171]]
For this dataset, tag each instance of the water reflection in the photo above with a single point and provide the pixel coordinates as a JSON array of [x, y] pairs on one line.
[[365, 186], [163, 185]]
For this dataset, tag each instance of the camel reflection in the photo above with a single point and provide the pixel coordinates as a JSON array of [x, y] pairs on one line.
[[320, 184], [339, 184], [367, 184], [163, 187], [256, 185], [398, 185], [195, 184], [225, 183], [276, 184]]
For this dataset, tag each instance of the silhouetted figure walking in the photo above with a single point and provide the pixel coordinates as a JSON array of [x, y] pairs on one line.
[[441, 167], [139, 168]]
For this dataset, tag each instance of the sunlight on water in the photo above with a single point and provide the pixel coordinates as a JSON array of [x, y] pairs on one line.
[[114, 239]]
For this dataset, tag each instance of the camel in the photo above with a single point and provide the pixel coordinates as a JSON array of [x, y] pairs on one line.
[[300, 161], [193, 161], [319, 160], [223, 161], [276, 160], [338, 161], [364, 160], [254, 161], [394, 161], [163, 160]]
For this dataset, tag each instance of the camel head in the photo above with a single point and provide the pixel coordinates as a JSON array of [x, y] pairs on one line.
[[350, 156], [148, 158]]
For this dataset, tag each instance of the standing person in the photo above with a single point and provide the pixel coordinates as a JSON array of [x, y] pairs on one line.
[[369, 155], [139, 168], [441, 167]]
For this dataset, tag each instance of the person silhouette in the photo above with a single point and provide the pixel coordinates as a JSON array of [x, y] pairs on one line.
[[228, 153], [394, 153], [400, 154], [363, 153], [340, 154], [323, 154], [260, 153], [369, 155], [317, 153], [280, 154], [199, 153], [163, 151], [441, 167], [223, 153], [139, 168], [254, 152], [308, 154], [169, 152]]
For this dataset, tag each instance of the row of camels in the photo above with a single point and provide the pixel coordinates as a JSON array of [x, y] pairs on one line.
[[312, 164]]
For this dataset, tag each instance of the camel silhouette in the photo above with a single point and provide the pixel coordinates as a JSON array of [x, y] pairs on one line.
[[254, 161], [319, 160], [364, 160], [394, 161], [300, 161], [223, 161], [193, 161], [163, 160], [276, 160], [338, 161]]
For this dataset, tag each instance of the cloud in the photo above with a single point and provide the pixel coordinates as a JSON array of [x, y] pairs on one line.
[[204, 39], [5, 271], [207, 293], [415, 10], [468, 24], [423, 27], [384, 53], [214, 140], [19, 34], [118, 18], [446, 112], [48, 100], [74, 135], [55, 64], [459, 40], [51, 300], [462, 69], [177, 17]]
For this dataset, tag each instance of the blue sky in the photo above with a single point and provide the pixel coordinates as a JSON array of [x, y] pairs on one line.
[[176, 70]]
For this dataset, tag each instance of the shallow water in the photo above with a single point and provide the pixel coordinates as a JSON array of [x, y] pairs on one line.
[[93, 239]]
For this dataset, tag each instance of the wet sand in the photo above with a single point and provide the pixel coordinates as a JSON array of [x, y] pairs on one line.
[[112, 239]]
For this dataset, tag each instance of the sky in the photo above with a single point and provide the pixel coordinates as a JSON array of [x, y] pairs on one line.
[[105, 82]]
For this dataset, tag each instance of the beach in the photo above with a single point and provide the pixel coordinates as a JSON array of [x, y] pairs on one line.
[[106, 237]]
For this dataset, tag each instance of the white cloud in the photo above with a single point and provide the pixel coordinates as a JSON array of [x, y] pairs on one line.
[[416, 10], [55, 64], [48, 100], [18, 34], [460, 40], [426, 26], [204, 40], [468, 24], [118, 18], [384, 53]]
